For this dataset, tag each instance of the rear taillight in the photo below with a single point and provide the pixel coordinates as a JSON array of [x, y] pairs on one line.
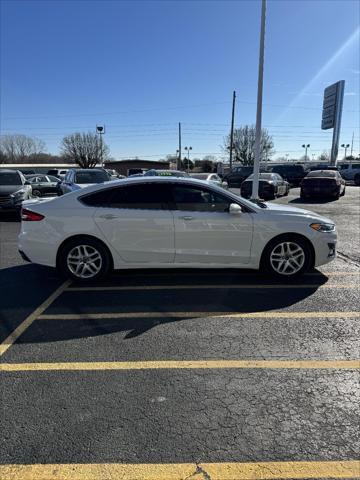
[[29, 216]]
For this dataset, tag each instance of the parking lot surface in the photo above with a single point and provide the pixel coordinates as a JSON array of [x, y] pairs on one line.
[[182, 374]]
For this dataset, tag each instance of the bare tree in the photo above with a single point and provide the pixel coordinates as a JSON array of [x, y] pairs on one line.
[[17, 148], [85, 149], [244, 144]]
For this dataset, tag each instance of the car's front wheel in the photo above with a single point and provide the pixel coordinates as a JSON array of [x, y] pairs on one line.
[[84, 259], [287, 257]]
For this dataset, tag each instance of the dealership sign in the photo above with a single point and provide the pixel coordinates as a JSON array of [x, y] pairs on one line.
[[331, 114]]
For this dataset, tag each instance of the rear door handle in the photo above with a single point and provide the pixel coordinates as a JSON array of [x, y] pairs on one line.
[[108, 216], [187, 217]]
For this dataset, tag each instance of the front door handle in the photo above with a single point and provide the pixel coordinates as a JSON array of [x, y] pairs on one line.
[[187, 217], [108, 216]]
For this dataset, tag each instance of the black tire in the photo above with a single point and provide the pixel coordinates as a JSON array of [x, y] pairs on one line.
[[104, 263], [268, 266], [36, 193], [357, 179], [343, 193], [302, 196]]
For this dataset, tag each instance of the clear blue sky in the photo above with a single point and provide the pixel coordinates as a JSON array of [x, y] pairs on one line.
[[142, 66]]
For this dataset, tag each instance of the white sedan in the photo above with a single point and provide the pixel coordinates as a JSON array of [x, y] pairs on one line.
[[210, 177], [168, 222]]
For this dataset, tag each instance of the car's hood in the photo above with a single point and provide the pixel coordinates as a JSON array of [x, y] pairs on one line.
[[275, 209], [8, 189]]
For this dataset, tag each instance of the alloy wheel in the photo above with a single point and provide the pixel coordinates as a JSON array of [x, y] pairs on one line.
[[287, 258], [84, 261]]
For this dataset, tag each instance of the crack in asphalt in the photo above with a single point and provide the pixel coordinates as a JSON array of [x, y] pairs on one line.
[[199, 474], [347, 258]]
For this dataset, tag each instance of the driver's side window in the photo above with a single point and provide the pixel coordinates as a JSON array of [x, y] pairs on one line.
[[197, 199]]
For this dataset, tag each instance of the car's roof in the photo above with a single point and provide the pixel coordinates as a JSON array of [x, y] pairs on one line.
[[8, 170], [322, 173], [87, 169]]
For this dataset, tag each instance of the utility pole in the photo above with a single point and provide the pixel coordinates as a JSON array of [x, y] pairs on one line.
[[352, 144], [232, 129], [255, 183], [179, 157]]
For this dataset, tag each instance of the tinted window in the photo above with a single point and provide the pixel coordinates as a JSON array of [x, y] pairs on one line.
[[10, 178], [322, 173], [142, 196], [93, 176], [53, 179], [356, 165], [189, 198]]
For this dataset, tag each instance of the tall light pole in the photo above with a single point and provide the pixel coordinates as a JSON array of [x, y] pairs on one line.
[[287, 157], [232, 129], [188, 157], [306, 146], [345, 146], [100, 130], [255, 183]]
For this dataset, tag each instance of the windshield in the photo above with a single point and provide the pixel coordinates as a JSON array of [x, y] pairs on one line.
[[10, 179], [322, 173], [94, 176]]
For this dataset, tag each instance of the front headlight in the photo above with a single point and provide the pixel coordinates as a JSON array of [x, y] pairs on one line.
[[18, 193], [323, 227]]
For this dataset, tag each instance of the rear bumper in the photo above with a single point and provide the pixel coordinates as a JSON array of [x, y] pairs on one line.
[[324, 192]]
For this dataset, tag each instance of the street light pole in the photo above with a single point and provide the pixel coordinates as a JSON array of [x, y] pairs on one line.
[[345, 146], [232, 129], [188, 155], [255, 183], [306, 146], [100, 129]]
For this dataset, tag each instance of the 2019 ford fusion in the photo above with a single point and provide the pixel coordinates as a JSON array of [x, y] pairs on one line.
[[169, 222]]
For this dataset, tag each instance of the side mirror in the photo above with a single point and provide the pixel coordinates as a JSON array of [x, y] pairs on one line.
[[235, 209], [27, 183]]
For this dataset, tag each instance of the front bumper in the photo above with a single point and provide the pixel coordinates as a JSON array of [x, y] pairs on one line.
[[325, 248]]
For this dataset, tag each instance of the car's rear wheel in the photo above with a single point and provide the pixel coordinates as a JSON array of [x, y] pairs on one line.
[[287, 257], [84, 259]]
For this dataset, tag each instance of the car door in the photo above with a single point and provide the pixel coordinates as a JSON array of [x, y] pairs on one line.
[[136, 220], [205, 232]]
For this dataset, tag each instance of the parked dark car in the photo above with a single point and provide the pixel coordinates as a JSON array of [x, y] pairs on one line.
[[43, 185], [14, 189], [271, 185], [291, 173], [323, 184], [77, 178], [237, 175], [27, 172]]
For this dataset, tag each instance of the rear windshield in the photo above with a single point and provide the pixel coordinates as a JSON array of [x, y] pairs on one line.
[[10, 179], [264, 176], [94, 176], [322, 173], [288, 168], [199, 176]]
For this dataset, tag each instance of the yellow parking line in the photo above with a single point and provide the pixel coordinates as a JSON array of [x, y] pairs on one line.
[[211, 286], [183, 364], [30, 319], [270, 314], [182, 471]]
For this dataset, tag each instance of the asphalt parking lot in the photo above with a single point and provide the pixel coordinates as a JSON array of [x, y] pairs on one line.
[[196, 375]]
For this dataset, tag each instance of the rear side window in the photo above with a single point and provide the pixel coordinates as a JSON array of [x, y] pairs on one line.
[[141, 196], [197, 199]]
